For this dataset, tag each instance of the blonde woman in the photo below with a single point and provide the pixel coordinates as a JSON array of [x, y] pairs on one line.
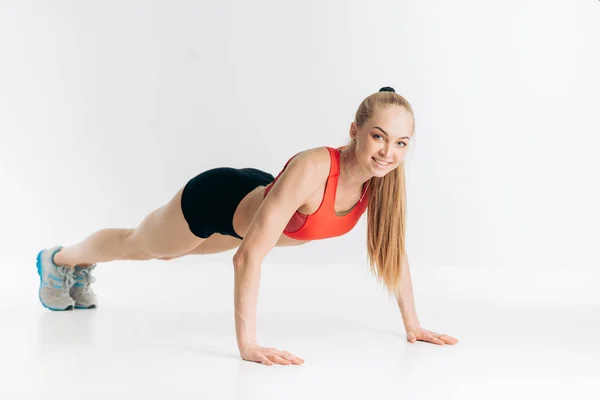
[[320, 193]]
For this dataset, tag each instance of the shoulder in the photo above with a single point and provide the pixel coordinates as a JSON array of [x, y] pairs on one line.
[[304, 173], [317, 160]]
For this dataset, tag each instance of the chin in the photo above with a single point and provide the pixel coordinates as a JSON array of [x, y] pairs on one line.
[[380, 174]]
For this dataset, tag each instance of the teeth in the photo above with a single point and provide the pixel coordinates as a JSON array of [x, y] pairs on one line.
[[381, 162]]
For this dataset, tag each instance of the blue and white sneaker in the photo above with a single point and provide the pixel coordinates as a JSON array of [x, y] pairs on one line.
[[55, 281], [81, 291]]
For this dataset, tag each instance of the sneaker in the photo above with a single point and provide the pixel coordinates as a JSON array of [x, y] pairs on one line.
[[81, 291], [55, 281]]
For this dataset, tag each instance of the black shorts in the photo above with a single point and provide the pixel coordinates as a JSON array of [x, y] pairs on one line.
[[209, 200]]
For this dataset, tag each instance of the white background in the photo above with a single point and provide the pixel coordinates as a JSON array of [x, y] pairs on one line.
[[108, 108]]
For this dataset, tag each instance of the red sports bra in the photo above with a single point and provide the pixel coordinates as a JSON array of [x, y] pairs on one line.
[[324, 223]]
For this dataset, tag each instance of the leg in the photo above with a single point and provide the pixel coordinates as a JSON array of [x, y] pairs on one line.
[[162, 233], [216, 243]]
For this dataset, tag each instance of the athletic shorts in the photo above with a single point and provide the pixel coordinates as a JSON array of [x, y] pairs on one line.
[[210, 199]]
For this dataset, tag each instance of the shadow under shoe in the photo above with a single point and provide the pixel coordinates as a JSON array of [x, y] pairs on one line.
[[55, 281], [81, 291]]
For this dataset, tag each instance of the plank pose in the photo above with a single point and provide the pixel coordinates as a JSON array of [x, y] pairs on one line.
[[320, 193]]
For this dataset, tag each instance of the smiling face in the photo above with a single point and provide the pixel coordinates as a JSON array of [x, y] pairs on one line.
[[382, 142]]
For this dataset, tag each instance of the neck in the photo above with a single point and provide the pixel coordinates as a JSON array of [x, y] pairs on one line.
[[352, 174]]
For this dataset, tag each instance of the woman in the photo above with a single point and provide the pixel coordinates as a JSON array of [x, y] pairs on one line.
[[320, 193]]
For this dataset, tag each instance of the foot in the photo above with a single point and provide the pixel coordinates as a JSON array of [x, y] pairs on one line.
[[81, 291], [55, 281]]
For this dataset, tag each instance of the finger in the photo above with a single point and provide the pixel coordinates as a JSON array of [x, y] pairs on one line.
[[266, 361], [435, 340], [437, 335], [287, 353], [274, 356], [282, 360], [448, 339], [289, 356], [293, 360], [428, 337], [445, 338], [277, 359]]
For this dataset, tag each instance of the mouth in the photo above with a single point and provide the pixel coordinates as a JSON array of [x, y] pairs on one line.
[[382, 163]]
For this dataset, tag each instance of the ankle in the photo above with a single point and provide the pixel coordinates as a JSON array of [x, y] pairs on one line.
[[61, 259]]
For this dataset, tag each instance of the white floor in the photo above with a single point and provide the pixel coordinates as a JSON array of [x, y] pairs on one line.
[[166, 329]]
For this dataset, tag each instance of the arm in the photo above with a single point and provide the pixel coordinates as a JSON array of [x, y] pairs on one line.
[[406, 303], [405, 298], [302, 177], [246, 281]]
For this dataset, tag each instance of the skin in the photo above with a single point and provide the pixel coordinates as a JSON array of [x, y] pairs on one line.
[[164, 234], [357, 167], [385, 137]]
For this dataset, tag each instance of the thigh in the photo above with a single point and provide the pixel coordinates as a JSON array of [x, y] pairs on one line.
[[164, 232], [216, 243]]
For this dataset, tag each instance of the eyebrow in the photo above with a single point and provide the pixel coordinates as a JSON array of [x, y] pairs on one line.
[[405, 137]]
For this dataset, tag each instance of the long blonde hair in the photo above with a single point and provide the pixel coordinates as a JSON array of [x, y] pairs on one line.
[[386, 213]]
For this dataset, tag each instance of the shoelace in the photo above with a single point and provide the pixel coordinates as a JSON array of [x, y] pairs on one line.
[[69, 277], [88, 279]]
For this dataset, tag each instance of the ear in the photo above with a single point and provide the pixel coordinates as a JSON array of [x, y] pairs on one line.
[[353, 131]]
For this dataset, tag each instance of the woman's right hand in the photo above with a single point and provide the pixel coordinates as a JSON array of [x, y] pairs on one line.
[[269, 356]]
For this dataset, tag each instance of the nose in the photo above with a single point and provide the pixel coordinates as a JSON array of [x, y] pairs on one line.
[[386, 152]]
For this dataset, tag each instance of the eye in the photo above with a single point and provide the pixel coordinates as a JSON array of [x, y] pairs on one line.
[[402, 144]]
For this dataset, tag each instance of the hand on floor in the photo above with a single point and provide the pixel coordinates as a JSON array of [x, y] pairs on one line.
[[269, 356], [428, 336]]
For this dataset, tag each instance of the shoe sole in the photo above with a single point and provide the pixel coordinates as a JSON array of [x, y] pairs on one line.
[[84, 308], [38, 265]]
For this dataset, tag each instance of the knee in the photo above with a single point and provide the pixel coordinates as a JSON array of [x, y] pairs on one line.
[[133, 247]]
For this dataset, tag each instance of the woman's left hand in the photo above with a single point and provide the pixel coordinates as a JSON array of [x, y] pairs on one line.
[[428, 336]]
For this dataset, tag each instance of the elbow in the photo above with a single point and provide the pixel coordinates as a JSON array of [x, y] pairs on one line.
[[242, 257], [249, 253], [241, 254], [238, 259]]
